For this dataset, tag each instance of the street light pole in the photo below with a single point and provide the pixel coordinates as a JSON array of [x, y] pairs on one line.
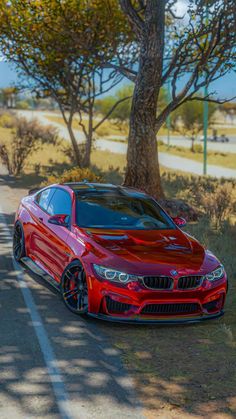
[[205, 115], [168, 121], [205, 128]]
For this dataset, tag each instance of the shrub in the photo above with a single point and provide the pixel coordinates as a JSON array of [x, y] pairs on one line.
[[198, 148], [74, 175], [103, 131], [7, 120], [27, 137], [218, 204], [214, 198], [23, 104]]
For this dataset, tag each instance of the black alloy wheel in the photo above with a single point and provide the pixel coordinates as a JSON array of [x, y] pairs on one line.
[[74, 288], [18, 242]]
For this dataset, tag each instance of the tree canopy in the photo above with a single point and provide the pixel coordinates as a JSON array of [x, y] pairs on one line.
[[61, 47]]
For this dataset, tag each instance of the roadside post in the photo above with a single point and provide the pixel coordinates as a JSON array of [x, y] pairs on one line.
[[205, 129], [205, 117], [168, 120]]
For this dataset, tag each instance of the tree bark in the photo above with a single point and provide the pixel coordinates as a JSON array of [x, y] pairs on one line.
[[89, 140], [74, 144], [143, 170]]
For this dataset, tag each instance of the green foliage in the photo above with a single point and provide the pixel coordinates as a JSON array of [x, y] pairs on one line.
[[61, 48], [121, 112], [188, 118], [44, 36], [22, 104]]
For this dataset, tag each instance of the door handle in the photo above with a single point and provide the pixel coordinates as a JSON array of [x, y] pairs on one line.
[[41, 219]]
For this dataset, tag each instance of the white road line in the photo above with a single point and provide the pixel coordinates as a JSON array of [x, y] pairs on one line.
[[44, 343]]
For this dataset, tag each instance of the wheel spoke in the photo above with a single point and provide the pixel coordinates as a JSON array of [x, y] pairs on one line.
[[75, 290], [70, 293], [69, 275]]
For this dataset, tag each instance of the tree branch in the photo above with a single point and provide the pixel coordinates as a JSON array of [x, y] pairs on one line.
[[134, 18], [110, 111]]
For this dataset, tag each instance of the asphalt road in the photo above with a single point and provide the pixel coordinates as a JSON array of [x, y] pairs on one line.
[[53, 364]]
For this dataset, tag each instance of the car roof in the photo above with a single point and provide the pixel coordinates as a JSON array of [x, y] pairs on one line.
[[93, 187]]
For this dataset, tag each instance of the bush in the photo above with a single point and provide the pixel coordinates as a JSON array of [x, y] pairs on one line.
[[74, 175], [23, 104], [27, 137], [198, 148], [210, 197], [7, 120], [103, 131], [217, 204]]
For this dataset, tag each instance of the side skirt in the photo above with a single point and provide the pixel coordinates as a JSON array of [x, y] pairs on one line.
[[32, 266]]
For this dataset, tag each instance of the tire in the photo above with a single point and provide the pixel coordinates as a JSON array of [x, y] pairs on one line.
[[74, 290], [18, 242]]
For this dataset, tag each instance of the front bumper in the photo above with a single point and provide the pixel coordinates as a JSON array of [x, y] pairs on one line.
[[168, 321], [126, 304]]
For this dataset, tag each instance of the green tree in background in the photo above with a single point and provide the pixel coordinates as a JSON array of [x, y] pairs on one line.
[[61, 47], [188, 119], [121, 113]]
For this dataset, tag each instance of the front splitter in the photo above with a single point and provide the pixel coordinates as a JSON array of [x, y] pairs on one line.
[[185, 320]]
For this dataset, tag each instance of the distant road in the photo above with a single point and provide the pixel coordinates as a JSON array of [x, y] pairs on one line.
[[166, 159]]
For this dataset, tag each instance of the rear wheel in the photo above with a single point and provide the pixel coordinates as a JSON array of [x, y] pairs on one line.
[[74, 288], [18, 242]]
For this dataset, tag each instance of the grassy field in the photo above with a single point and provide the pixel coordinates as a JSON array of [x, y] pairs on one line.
[[180, 371], [213, 157]]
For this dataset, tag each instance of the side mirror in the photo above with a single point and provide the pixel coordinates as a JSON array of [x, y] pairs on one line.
[[179, 221], [59, 220]]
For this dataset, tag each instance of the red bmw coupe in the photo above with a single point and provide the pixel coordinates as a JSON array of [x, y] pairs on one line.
[[115, 254]]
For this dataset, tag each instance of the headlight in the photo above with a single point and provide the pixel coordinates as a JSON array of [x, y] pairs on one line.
[[113, 275], [216, 274]]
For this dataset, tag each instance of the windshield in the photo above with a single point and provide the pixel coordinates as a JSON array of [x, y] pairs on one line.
[[101, 210]]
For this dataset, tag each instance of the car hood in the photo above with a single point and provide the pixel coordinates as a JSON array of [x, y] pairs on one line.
[[143, 250]]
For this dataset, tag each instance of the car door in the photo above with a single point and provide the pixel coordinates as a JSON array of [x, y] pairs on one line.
[[57, 250], [38, 235]]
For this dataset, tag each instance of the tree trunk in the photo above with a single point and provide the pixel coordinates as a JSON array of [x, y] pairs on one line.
[[89, 140], [143, 170], [74, 145], [192, 144]]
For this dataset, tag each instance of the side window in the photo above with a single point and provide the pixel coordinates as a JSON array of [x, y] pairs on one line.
[[60, 203], [43, 198]]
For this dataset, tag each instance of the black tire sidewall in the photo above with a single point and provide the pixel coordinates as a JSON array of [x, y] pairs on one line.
[[71, 265], [23, 252]]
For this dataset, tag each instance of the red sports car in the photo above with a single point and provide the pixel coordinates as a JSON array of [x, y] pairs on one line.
[[115, 254]]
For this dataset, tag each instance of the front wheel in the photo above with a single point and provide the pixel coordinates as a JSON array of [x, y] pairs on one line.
[[74, 288], [18, 242]]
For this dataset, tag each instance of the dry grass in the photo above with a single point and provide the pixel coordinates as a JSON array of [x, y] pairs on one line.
[[214, 157]]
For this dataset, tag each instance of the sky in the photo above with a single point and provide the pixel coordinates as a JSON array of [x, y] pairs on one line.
[[225, 87]]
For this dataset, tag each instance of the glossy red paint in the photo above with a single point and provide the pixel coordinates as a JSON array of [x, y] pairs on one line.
[[165, 253]]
